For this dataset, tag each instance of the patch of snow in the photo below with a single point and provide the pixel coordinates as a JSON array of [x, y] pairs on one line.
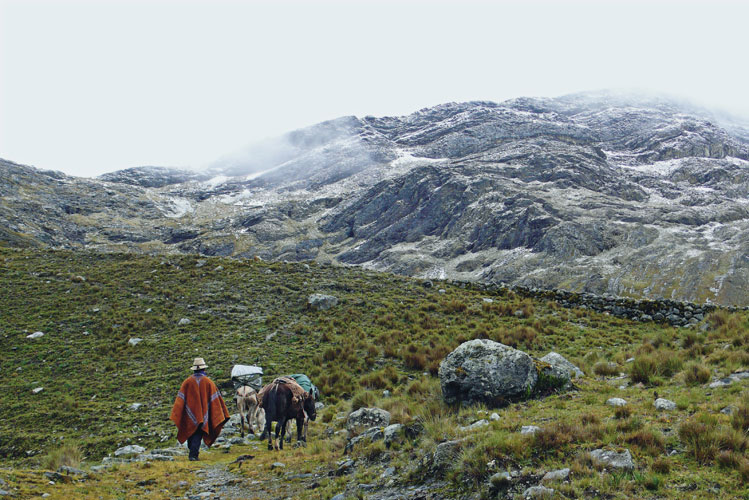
[[179, 208], [212, 183], [659, 168]]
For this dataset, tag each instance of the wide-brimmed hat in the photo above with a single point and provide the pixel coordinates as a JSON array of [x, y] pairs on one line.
[[198, 364]]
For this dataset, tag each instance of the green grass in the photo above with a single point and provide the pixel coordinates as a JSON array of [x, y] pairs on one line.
[[388, 332]]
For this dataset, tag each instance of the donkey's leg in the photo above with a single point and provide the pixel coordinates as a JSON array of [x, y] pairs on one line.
[[269, 432], [251, 418], [288, 434]]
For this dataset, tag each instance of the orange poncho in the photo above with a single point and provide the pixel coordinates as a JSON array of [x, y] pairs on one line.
[[199, 402]]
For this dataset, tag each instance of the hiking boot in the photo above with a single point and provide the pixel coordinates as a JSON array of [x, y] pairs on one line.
[[193, 459]]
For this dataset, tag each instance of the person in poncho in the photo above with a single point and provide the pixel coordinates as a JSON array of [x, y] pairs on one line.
[[199, 411]]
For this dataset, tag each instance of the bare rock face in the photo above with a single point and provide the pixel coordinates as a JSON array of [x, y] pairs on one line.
[[486, 371]]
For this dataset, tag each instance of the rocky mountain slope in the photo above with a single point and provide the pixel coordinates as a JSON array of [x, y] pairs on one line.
[[591, 192]]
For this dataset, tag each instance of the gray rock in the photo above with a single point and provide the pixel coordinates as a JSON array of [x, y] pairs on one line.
[[321, 302], [131, 449], [72, 471], [538, 492], [561, 364], [445, 454], [4, 493], [556, 475], [278, 465], [393, 433], [486, 371], [184, 321], [364, 418], [476, 425], [371, 434], [529, 429], [339, 496], [500, 479], [345, 467], [134, 406], [728, 410], [135, 341], [613, 459], [37, 390], [664, 404], [724, 382], [616, 402], [35, 335], [153, 457], [494, 417], [176, 451]]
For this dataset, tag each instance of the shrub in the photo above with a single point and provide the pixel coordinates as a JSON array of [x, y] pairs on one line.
[[740, 418], [704, 439], [643, 368], [661, 465], [622, 412], [605, 369], [69, 454], [729, 459], [363, 399], [696, 373], [648, 441]]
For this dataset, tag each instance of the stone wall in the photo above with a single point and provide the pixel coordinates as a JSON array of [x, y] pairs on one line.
[[659, 310]]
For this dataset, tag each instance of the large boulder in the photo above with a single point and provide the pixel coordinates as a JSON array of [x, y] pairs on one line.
[[486, 371], [321, 302]]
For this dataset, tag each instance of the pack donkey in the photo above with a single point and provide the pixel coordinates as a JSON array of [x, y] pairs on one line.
[[249, 409], [283, 400]]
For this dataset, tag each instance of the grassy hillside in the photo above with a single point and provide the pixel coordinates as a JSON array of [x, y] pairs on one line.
[[387, 332]]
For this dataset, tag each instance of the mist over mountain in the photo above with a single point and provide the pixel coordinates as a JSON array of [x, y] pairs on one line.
[[601, 192]]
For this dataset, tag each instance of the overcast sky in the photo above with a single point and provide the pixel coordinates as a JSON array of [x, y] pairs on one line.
[[96, 86]]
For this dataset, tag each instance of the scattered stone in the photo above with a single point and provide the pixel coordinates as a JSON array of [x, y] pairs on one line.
[[560, 364], [500, 479], [616, 402], [200, 263], [519, 313], [78, 279], [152, 457], [494, 417], [339, 496], [482, 370], [630, 360], [184, 321], [321, 302], [613, 459], [135, 341], [445, 454], [4, 493], [37, 390], [724, 382], [664, 404], [344, 467], [427, 284], [134, 406], [72, 471], [476, 425], [529, 429], [131, 449], [728, 410], [371, 434], [386, 393], [390, 471], [56, 477], [278, 465], [441, 291], [556, 475], [35, 335], [366, 418], [392, 433], [538, 492], [176, 451], [488, 300], [218, 268]]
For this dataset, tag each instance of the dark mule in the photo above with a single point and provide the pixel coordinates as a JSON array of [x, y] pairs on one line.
[[280, 408]]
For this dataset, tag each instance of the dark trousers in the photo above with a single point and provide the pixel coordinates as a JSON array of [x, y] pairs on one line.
[[193, 443]]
